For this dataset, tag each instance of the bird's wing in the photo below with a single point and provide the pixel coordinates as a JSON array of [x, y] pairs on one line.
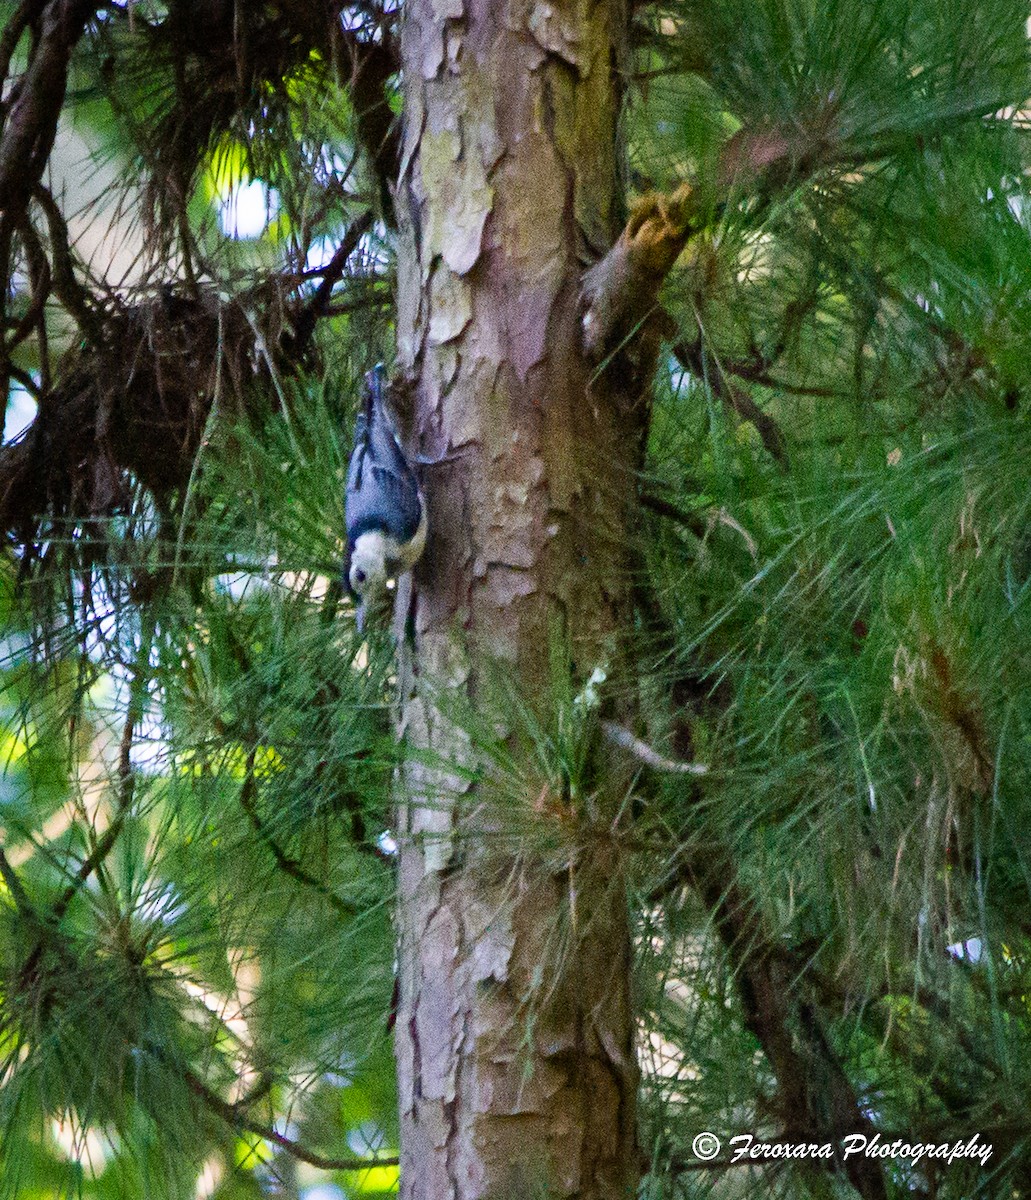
[[382, 488]]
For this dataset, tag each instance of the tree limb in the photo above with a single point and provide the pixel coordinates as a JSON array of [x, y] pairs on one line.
[[735, 398], [76, 299], [817, 1097], [289, 866], [23, 15], [620, 292], [318, 305], [39, 277], [31, 124], [373, 61], [673, 512], [234, 1116]]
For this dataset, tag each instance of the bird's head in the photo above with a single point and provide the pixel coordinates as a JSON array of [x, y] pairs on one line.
[[369, 571]]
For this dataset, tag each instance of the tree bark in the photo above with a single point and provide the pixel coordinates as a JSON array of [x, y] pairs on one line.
[[515, 1050]]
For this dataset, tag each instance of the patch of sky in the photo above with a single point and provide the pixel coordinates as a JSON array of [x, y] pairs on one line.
[[245, 209], [324, 1191], [20, 412], [367, 1138], [161, 903], [370, 257]]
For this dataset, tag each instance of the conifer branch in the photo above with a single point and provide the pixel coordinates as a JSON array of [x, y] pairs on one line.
[[125, 789], [15, 886], [816, 1095], [32, 112], [289, 866], [125, 786], [373, 62], [318, 305], [735, 398], [39, 277], [234, 1115], [26, 12], [619, 293], [673, 512], [76, 299]]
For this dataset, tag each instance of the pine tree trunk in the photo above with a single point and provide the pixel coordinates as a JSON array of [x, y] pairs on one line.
[[515, 1030]]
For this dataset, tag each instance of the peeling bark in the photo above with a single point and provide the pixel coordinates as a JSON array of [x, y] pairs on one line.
[[514, 1033]]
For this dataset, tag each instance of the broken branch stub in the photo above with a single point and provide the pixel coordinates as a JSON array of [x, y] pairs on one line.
[[620, 292]]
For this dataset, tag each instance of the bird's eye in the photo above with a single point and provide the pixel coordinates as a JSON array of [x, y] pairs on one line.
[[360, 576]]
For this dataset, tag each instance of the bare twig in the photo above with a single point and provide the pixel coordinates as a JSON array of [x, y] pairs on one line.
[[673, 512], [234, 1115], [620, 736], [735, 398], [289, 866], [78, 302], [304, 324], [39, 275]]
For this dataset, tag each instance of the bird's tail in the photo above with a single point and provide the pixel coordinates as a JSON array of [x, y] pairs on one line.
[[375, 385]]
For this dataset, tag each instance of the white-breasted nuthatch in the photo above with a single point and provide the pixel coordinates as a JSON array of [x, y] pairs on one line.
[[385, 510]]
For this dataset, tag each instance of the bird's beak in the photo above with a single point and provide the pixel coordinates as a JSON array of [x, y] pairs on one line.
[[359, 615]]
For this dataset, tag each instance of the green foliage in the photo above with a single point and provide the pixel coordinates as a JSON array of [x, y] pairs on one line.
[[234, 928], [851, 624], [196, 746]]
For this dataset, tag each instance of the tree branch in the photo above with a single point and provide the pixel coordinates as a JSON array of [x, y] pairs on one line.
[[76, 299], [31, 124], [234, 1116], [318, 305], [26, 12], [289, 866], [620, 736], [673, 512], [39, 277], [817, 1096], [620, 292], [373, 61], [25, 380], [736, 399]]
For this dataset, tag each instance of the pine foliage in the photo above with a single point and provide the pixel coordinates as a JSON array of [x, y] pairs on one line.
[[196, 744]]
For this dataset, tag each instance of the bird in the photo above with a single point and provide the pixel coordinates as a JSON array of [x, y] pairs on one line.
[[385, 509]]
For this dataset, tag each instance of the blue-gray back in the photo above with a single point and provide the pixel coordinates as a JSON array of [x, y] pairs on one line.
[[382, 487]]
